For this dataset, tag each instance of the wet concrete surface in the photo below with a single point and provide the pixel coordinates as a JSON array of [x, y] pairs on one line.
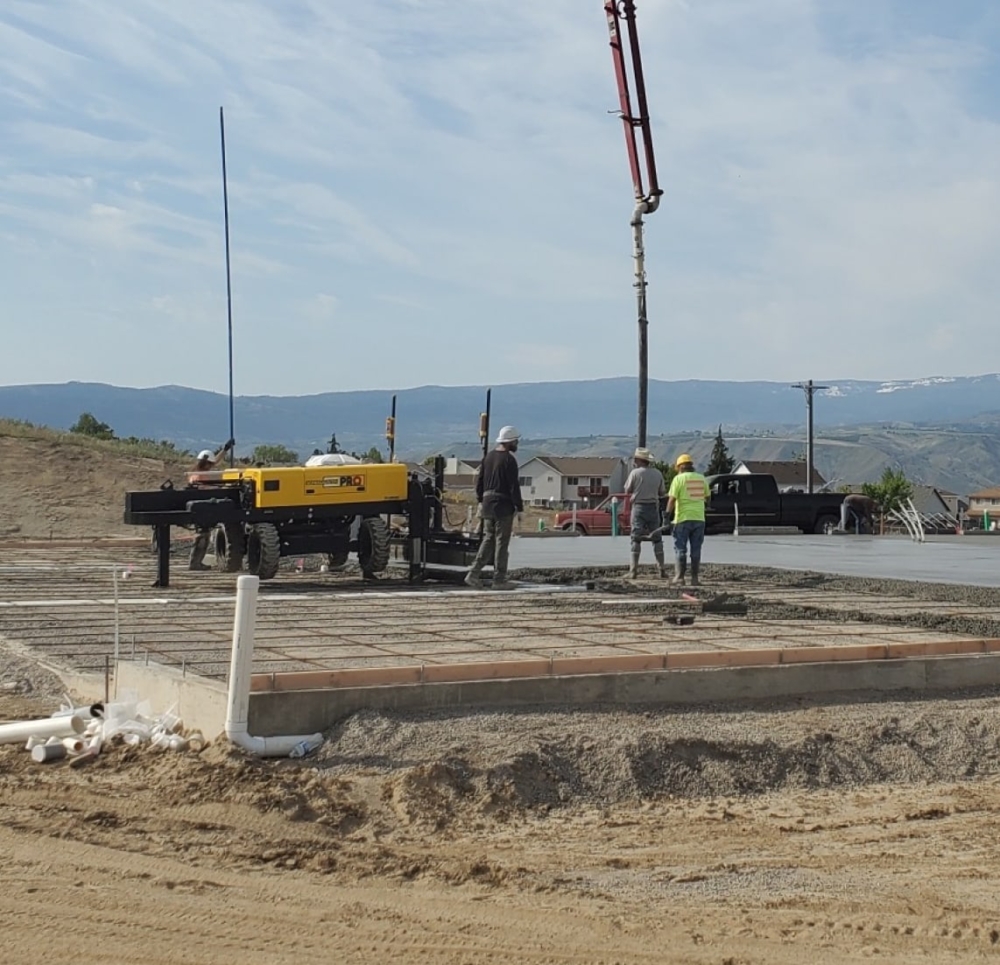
[[968, 560]]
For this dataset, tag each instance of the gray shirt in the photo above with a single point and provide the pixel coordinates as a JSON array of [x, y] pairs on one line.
[[645, 483]]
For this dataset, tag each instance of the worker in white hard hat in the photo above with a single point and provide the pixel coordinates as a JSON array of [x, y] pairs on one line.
[[205, 460], [646, 487], [499, 493], [687, 500]]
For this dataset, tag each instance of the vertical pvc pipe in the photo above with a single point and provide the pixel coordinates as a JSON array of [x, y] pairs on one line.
[[241, 664], [114, 577], [240, 669]]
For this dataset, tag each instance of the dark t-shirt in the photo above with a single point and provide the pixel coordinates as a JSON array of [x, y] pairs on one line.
[[497, 487]]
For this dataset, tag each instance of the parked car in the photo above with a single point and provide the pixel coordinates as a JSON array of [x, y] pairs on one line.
[[597, 521], [760, 503]]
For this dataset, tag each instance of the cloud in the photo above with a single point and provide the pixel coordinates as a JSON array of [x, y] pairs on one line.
[[447, 179]]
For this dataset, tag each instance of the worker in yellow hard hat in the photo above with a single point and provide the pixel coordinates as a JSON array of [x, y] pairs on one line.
[[686, 500]]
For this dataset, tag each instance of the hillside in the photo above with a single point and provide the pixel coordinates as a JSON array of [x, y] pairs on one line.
[[434, 416], [58, 485]]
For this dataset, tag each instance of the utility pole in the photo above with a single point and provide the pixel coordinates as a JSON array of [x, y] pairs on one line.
[[810, 390], [646, 202]]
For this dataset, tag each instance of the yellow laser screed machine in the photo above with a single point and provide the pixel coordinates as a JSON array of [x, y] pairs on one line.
[[257, 515]]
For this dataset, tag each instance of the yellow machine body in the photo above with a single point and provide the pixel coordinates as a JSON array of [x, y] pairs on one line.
[[286, 487]]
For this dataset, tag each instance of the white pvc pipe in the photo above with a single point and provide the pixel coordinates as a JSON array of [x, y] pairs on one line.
[[238, 706], [17, 732]]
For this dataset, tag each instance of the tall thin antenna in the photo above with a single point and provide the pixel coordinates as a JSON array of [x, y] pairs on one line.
[[229, 285]]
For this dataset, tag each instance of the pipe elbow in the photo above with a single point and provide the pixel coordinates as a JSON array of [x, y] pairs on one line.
[[281, 746]]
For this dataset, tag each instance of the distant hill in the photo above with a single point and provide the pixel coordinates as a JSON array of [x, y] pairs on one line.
[[942, 430]]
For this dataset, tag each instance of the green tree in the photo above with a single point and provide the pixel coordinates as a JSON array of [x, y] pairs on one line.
[[373, 455], [720, 462], [274, 455], [88, 425], [891, 491]]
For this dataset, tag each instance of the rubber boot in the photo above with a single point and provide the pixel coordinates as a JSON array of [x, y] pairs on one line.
[[658, 552], [695, 567], [198, 551], [680, 568], [633, 567]]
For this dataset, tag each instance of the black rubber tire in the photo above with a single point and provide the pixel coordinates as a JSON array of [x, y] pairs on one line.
[[338, 560], [825, 523], [373, 545], [263, 550], [580, 528], [230, 544]]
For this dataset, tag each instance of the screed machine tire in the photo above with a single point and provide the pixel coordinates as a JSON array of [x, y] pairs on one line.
[[263, 550], [373, 545], [230, 544]]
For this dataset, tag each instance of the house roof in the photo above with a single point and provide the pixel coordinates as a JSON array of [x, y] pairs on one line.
[[460, 481], [580, 465], [785, 473], [929, 500], [992, 493]]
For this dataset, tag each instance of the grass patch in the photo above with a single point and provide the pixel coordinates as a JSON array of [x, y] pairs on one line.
[[141, 448]]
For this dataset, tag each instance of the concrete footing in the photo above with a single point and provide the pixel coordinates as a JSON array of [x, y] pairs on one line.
[[202, 703]]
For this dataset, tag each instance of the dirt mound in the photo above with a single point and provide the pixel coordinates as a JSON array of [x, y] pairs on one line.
[[54, 486], [439, 770]]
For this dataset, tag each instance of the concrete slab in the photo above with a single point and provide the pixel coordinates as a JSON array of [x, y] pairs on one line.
[[949, 559]]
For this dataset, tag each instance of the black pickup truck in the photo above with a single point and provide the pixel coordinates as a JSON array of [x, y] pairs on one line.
[[761, 504]]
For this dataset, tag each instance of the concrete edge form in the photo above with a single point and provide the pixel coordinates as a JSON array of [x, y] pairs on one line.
[[355, 677], [284, 713]]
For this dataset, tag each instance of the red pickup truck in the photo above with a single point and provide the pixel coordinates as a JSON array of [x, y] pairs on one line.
[[597, 521]]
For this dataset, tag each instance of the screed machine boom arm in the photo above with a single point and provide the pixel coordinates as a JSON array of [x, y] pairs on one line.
[[647, 190]]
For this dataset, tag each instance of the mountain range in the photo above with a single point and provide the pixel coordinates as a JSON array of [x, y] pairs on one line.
[[944, 430]]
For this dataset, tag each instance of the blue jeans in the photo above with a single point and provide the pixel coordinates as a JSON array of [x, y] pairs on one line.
[[645, 519], [690, 531]]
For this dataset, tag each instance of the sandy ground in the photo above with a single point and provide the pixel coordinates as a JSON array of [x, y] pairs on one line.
[[848, 831], [835, 833]]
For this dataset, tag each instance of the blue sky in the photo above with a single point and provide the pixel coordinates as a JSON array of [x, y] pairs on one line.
[[425, 191]]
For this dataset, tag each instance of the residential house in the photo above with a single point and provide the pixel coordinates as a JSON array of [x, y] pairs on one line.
[[790, 476], [985, 503], [561, 481], [453, 466], [939, 509]]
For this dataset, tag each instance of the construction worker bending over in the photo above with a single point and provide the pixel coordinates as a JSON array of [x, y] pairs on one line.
[[645, 486], [499, 495], [206, 460], [859, 509], [687, 499]]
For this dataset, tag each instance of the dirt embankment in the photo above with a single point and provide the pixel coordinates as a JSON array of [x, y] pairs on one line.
[[771, 833], [52, 489]]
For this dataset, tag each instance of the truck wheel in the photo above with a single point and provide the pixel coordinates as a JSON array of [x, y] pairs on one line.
[[826, 524], [373, 545], [230, 547], [580, 528], [263, 550], [337, 560]]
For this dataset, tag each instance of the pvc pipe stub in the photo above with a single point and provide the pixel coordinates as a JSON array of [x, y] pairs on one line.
[[47, 752]]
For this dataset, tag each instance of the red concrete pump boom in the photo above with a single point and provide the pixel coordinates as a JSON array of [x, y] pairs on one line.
[[618, 11], [647, 197]]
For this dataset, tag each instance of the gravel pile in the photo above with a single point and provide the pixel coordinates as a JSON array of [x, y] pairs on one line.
[[541, 760]]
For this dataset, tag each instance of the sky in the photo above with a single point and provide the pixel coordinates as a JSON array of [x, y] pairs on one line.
[[431, 192]]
